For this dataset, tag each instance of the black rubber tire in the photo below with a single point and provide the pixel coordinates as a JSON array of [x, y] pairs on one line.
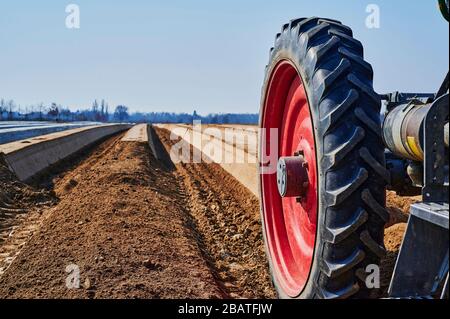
[[350, 154]]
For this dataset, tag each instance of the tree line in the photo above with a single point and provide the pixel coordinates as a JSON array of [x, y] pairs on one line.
[[101, 112]]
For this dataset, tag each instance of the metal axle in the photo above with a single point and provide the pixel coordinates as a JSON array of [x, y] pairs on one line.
[[403, 130]]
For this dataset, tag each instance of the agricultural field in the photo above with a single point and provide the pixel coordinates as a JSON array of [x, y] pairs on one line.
[[137, 225]]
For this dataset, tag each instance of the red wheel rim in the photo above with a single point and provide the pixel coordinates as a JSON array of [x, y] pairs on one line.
[[290, 226]]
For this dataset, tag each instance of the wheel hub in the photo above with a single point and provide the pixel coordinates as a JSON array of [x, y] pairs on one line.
[[292, 176]]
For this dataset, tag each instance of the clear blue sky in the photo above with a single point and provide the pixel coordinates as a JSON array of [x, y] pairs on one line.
[[180, 55]]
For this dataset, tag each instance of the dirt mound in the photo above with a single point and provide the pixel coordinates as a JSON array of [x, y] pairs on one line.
[[19, 204], [226, 217], [125, 221], [126, 238], [398, 207], [393, 237], [15, 194]]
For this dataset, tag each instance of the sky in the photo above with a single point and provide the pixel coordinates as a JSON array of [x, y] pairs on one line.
[[209, 56]]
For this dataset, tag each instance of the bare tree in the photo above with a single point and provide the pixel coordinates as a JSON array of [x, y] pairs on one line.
[[121, 113], [40, 108], [10, 107], [2, 108], [54, 111]]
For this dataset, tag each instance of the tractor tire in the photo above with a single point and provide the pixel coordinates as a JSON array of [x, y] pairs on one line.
[[350, 174]]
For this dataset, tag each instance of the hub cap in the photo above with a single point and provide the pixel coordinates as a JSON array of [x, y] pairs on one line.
[[292, 177]]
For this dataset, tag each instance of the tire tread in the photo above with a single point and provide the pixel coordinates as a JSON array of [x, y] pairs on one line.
[[343, 104]]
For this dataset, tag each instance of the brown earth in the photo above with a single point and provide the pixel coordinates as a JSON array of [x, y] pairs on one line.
[[226, 215], [152, 230], [142, 234], [21, 206], [398, 207]]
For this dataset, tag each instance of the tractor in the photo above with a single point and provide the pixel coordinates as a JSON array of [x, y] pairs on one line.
[[340, 146]]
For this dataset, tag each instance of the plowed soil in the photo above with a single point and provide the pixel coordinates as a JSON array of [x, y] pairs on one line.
[[21, 207], [138, 227], [226, 216]]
